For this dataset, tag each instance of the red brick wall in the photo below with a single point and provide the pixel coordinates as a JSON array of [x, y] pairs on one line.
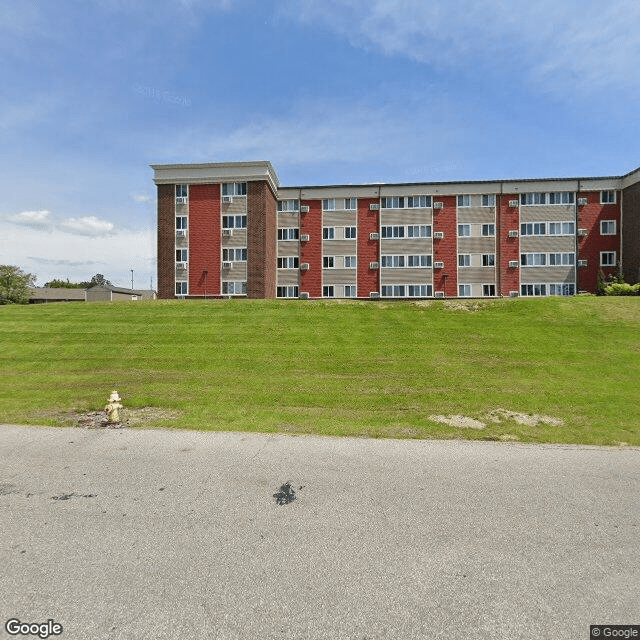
[[507, 219], [311, 252], [631, 238], [261, 241], [590, 246], [166, 241], [204, 239], [368, 250], [446, 250]]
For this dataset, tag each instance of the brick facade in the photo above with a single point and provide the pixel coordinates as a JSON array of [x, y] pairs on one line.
[[507, 248], [166, 241], [446, 249], [261, 241], [630, 231], [368, 250], [311, 250], [204, 240]]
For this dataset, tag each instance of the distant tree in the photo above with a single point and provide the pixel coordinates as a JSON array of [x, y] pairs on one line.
[[100, 281], [61, 284], [14, 285]]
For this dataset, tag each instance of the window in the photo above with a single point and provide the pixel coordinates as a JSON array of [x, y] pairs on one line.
[[392, 232], [234, 255], [418, 202], [181, 222], [561, 259], [419, 290], [488, 289], [393, 291], [181, 191], [181, 255], [328, 233], [234, 288], [488, 260], [234, 188], [328, 262], [181, 288], [607, 258], [329, 204], [489, 200], [561, 228], [349, 290], [350, 262], [562, 197], [533, 198], [464, 260], [234, 222], [392, 203], [463, 201], [327, 291], [350, 233], [422, 260], [290, 262], [392, 261], [533, 259], [533, 229], [607, 227], [562, 289], [288, 205], [607, 197], [419, 231], [533, 290], [464, 230], [290, 233], [464, 290], [287, 292], [488, 229], [350, 203]]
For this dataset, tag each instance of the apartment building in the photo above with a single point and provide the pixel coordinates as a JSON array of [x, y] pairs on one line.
[[230, 229]]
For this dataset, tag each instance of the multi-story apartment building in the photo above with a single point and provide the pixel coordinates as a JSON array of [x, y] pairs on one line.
[[230, 229]]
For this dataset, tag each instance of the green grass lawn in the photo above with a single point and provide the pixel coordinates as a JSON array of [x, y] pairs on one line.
[[329, 367]]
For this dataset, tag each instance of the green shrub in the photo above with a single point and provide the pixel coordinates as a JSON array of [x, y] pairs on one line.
[[622, 289]]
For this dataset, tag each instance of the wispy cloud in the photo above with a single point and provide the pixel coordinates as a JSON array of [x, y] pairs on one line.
[[141, 197], [84, 226], [30, 218], [87, 226]]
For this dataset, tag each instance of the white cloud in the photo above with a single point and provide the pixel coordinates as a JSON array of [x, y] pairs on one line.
[[31, 218], [562, 45], [141, 197], [87, 225]]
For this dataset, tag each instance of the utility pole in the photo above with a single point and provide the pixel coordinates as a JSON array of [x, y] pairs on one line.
[[131, 279]]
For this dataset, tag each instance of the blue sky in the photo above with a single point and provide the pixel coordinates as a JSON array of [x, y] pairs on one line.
[[331, 91]]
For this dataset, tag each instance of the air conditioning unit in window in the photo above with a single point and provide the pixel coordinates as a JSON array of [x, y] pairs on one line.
[[583, 201], [227, 265], [374, 207], [582, 232], [438, 235], [438, 294], [304, 237], [582, 263], [181, 200], [227, 199], [181, 233], [304, 208], [513, 233], [374, 236], [513, 294], [374, 295], [227, 232], [374, 265], [181, 265], [513, 264], [304, 295], [438, 265], [438, 205], [304, 266], [513, 203]]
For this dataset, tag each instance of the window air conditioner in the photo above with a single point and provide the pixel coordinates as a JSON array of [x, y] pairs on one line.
[[513, 264], [513, 203], [582, 263], [181, 200], [304, 208], [304, 237], [438, 235], [513, 233], [438, 265], [374, 265], [374, 295], [374, 236], [582, 232], [304, 295], [513, 294], [304, 266], [227, 199], [438, 205], [227, 265], [583, 201], [181, 233], [181, 265], [374, 207], [227, 232], [438, 294]]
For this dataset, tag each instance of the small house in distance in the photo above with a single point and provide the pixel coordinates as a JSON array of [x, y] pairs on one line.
[[109, 293], [41, 295]]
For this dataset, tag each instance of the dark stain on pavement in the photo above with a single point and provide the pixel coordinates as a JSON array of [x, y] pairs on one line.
[[66, 496], [285, 495]]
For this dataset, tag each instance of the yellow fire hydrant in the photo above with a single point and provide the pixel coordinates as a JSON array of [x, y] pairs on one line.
[[113, 406]]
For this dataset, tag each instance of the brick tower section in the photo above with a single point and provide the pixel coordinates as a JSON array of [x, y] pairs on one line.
[[368, 250], [311, 251], [590, 246], [508, 219], [204, 240], [631, 239], [166, 241], [446, 249], [261, 240]]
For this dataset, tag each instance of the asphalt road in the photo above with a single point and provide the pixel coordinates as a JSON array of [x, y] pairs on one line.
[[131, 534]]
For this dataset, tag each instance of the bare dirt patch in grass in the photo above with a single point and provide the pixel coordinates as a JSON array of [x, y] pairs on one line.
[[497, 415], [143, 417], [462, 422]]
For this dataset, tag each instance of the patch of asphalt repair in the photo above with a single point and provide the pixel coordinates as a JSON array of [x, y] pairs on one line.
[[285, 495]]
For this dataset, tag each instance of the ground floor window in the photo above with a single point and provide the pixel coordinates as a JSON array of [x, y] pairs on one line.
[[562, 289], [489, 290], [328, 291], [287, 292], [607, 258], [464, 290], [533, 289], [181, 288], [349, 290], [234, 288]]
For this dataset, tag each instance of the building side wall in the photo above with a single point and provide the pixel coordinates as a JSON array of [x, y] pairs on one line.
[[631, 233], [204, 239], [261, 241], [368, 250], [507, 249], [446, 249], [311, 250], [166, 241]]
